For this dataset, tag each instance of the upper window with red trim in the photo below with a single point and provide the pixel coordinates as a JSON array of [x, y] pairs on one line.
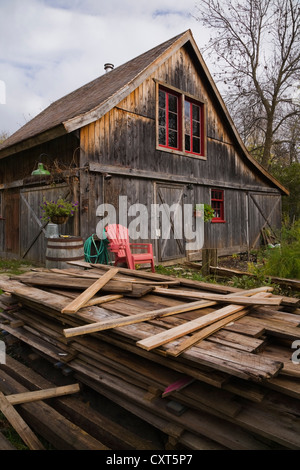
[[217, 203], [180, 122], [169, 106]]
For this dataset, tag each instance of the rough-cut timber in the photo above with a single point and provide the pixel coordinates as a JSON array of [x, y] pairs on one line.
[[236, 387]]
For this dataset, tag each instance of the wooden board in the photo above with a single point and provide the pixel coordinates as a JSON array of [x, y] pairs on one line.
[[189, 327], [237, 299], [27, 397], [83, 298], [19, 424]]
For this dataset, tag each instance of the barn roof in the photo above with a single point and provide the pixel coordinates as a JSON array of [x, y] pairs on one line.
[[86, 98], [91, 101]]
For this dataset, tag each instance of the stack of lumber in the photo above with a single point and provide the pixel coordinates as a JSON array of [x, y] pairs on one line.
[[61, 415], [209, 366]]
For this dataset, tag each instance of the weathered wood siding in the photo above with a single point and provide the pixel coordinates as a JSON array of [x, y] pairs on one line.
[[22, 195], [33, 239], [59, 154]]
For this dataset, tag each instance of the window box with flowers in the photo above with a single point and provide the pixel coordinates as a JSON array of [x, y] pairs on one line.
[[59, 211]]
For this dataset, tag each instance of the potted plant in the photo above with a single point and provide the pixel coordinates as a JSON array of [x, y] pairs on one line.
[[59, 211], [208, 212]]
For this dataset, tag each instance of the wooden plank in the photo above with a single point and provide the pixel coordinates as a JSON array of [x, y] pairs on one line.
[[239, 363], [182, 330], [69, 282], [27, 397], [193, 325], [278, 328], [19, 424], [204, 333], [198, 421], [49, 423], [87, 417], [81, 300], [241, 300], [141, 317], [238, 341], [247, 327], [94, 274], [131, 319], [103, 299]]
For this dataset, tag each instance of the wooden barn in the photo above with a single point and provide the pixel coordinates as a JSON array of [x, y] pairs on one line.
[[155, 130]]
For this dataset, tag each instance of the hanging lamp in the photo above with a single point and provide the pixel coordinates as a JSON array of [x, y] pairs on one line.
[[40, 170]]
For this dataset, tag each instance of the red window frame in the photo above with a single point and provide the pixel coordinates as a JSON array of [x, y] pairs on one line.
[[193, 127], [169, 119], [217, 203]]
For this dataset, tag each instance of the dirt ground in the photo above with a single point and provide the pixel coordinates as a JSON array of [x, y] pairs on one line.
[[238, 262]]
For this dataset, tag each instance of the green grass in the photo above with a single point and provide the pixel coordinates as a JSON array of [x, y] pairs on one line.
[[259, 279], [11, 435], [13, 266], [180, 271]]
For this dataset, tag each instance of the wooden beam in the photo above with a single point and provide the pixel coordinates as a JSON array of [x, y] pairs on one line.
[[155, 175], [83, 298], [140, 317], [103, 299], [36, 395], [241, 299], [131, 319], [204, 333], [19, 424], [193, 325]]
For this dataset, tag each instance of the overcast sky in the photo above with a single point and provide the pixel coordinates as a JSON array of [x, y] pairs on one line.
[[51, 47]]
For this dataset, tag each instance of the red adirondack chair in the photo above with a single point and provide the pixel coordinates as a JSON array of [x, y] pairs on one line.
[[119, 245]]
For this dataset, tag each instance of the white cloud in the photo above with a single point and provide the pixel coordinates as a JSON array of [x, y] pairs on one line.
[[54, 46]]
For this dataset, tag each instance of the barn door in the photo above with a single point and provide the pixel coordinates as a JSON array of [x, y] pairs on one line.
[[264, 213], [33, 230], [11, 214], [173, 246]]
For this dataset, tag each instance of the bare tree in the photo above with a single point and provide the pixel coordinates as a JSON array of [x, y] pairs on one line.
[[3, 136], [256, 44]]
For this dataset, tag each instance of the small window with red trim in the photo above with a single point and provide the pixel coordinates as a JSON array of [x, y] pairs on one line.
[[217, 203], [169, 119], [193, 127]]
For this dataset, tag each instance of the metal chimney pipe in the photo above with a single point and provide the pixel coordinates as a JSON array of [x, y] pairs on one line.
[[108, 67]]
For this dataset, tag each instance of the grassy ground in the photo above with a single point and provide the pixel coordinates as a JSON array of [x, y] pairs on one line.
[[13, 266]]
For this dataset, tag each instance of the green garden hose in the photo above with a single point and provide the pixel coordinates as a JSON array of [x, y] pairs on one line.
[[99, 248]]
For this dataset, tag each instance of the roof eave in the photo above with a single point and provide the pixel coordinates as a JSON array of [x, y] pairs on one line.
[[33, 141]]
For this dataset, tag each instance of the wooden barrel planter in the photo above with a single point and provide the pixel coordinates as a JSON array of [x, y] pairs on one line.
[[61, 250]]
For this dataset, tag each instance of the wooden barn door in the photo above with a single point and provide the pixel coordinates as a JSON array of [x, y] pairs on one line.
[[33, 229], [174, 246], [12, 222], [264, 213]]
